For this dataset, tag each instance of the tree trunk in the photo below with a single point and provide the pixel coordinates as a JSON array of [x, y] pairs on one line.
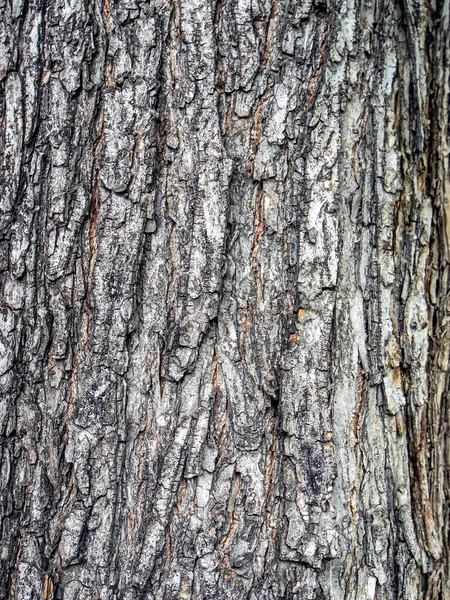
[[224, 264]]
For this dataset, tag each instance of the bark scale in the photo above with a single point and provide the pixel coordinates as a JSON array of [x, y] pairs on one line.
[[224, 269]]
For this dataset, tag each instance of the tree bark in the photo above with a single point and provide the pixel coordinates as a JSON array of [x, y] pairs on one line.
[[224, 268]]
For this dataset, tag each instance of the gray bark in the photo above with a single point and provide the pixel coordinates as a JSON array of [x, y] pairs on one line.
[[224, 269]]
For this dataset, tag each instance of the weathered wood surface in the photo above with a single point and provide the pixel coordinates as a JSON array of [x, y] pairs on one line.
[[224, 255]]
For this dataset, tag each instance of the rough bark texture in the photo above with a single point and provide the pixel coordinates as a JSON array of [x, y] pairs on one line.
[[225, 308]]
